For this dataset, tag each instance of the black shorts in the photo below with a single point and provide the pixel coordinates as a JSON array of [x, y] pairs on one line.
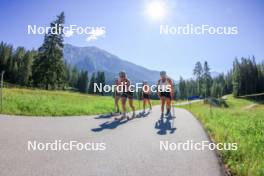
[[128, 95], [165, 94], [146, 96], [117, 94]]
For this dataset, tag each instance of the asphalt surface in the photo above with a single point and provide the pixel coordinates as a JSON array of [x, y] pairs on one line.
[[188, 102], [131, 147]]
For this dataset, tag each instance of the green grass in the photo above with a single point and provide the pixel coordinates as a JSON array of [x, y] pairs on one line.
[[240, 123], [55, 103]]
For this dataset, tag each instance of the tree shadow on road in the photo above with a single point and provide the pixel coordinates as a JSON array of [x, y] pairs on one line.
[[165, 126], [109, 125]]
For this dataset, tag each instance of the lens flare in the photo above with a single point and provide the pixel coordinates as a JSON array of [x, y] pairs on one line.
[[157, 10]]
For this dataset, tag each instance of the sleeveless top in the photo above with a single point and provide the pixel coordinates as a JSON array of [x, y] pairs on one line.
[[146, 89], [164, 86], [125, 85]]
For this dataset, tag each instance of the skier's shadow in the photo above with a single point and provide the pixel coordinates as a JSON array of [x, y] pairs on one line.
[[145, 114], [104, 116], [164, 126], [109, 125]]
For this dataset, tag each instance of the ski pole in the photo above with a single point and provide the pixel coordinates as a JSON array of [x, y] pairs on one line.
[[138, 100], [173, 111]]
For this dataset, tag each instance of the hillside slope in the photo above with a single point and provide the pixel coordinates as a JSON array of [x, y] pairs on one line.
[[95, 59]]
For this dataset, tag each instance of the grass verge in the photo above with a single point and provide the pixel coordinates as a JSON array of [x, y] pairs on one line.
[[55, 103], [242, 122]]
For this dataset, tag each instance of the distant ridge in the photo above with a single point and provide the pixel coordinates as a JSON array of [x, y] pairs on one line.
[[95, 59]]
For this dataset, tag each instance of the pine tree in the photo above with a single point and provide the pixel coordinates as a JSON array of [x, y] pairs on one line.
[[91, 84], [6, 58], [216, 89], [207, 80], [197, 72], [25, 70], [48, 69], [74, 77], [236, 78], [228, 87], [5, 55], [247, 77], [17, 64], [182, 88], [82, 82], [101, 80]]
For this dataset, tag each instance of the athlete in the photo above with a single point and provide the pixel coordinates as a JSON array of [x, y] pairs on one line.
[[116, 97], [125, 93], [165, 92], [146, 95]]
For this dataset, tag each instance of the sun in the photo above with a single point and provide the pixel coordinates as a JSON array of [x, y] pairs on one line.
[[156, 10]]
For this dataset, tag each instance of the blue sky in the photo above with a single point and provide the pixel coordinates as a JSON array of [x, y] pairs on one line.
[[134, 36]]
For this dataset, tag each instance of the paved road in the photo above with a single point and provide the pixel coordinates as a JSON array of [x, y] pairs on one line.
[[188, 102], [132, 147]]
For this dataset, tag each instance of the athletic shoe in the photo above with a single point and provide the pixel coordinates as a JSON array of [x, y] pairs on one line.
[[168, 112], [122, 116], [133, 115]]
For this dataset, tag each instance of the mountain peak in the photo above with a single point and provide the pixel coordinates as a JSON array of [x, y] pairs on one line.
[[94, 59]]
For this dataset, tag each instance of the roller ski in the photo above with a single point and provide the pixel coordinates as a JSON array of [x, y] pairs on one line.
[[173, 111], [134, 115], [173, 115], [115, 113], [123, 116], [150, 109], [168, 114], [141, 113]]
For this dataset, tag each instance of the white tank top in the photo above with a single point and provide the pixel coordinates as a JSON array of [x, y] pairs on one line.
[[164, 83], [163, 86]]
